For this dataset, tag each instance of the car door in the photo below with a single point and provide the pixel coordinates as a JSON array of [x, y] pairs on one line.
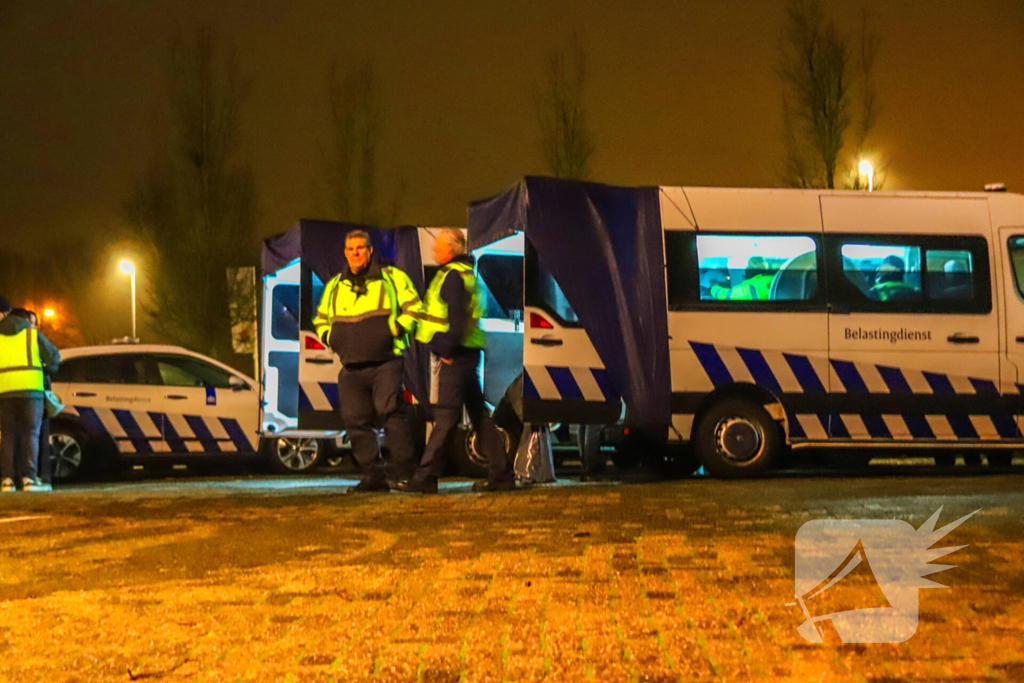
[[209, 409], [564, 378], [913, 332], [1011, 264], [110, 395]]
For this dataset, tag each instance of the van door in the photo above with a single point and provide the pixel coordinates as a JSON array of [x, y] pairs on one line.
[[499, 269], [913, 332], [318, 366], [1011, 266], [279, 348], [564, 379]]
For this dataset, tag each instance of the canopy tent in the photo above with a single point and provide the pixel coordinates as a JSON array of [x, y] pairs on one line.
[[603, 246], [320, 245]]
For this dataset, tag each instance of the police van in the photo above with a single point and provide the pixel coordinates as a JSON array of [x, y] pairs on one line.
[[743, 322]]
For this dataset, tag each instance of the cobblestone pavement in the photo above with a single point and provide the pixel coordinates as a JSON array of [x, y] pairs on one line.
[[289, 580]]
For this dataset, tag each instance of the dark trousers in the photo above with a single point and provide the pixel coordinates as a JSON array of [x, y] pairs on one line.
[[458, 384], [20, 420], [376, 391]]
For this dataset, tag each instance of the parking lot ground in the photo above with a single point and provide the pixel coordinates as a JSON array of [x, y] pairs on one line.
[[263, 579]]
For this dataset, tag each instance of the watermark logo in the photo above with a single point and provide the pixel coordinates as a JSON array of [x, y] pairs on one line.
[[857, 580]]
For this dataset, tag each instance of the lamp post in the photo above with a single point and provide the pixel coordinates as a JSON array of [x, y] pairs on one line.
[[128, 267], [866, 167]]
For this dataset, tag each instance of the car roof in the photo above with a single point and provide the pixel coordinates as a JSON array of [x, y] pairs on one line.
[[107, 349]]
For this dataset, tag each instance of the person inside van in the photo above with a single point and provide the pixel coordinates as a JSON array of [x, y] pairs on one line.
[[756, 285], [890, 284]]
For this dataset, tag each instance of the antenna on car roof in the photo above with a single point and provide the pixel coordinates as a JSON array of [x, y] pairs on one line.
[[995, 187]]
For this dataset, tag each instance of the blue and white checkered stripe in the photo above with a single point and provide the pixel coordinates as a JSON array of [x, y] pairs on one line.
[[319, 396], [560, 383], [787, 374], [138, 431]]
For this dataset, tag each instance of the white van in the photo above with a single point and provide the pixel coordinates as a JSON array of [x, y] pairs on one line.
[[806, 318]]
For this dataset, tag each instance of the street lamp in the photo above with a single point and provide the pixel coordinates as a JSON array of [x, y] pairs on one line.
[[866, 167], [49, 313], [127, 267]]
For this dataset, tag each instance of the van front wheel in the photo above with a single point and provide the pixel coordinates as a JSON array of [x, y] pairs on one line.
[[737, 438]]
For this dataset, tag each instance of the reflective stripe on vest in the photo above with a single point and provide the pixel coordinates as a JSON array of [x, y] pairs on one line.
[[21, 368], [434, 320], [353, 308]]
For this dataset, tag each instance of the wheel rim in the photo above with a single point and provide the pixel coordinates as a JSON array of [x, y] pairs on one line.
[[67, 455], [738, 439], [475, 455], [297, 454]]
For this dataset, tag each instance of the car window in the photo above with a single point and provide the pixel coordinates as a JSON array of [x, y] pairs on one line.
[[183, 371], [105, 369]]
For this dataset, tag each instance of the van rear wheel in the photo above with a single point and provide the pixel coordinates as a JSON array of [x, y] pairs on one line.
[[737, 438]]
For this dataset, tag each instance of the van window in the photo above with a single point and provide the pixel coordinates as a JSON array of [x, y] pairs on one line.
[[542, 291], [501, 278], [740, 271], [1015, 245], [284, 321], [884, 272], [910, 274]]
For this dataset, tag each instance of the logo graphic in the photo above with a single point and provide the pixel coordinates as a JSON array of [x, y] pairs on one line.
[[857, 579]]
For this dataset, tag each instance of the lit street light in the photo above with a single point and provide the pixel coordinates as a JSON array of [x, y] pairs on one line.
[[49, 313], [866, 168], [127, 267]]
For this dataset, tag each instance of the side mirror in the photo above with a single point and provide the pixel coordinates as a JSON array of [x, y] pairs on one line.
[[238, 384]]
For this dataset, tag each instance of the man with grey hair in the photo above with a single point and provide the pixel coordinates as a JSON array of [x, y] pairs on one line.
[[450, 325]]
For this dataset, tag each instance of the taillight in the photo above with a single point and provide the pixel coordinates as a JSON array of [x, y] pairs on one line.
[[538, 321], [313, 344]]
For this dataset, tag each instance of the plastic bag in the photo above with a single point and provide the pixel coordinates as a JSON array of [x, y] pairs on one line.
[[533, 458], [52, 405]]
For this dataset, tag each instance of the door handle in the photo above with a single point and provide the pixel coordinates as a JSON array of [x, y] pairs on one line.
[[1020, 340], [320, 361], [83, 394], [546, 341], [962, 339], [176, 397]]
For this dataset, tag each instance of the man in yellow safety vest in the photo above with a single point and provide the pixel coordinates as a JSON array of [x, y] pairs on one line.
[[366, 315], [25, 353], [450, 325]]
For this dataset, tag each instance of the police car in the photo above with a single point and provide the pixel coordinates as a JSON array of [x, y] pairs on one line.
[[158, 405]]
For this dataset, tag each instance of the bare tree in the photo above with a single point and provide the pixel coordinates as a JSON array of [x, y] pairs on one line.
[[820, 86], [351, 156], [196, 206], [565, 140]]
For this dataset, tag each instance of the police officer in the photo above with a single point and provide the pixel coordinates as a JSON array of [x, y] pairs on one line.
[[365, 316], [450, 325], [25, 353], [756, 286]]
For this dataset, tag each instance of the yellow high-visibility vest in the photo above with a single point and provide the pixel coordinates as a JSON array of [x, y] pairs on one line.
[[435, 315], [21, 368]]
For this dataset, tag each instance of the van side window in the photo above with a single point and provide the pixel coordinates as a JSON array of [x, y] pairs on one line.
[[909, 273], [889, 272], [501, 279], [542, 291], [1015, 246], [741, 270]]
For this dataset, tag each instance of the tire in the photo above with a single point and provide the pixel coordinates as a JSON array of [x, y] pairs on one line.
[[69, 446], [468, 460], [1001, 460], [291, 455], [737, 438]]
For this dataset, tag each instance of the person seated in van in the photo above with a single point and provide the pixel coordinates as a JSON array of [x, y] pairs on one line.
[[756, 285], [889, 282], [956, 280]]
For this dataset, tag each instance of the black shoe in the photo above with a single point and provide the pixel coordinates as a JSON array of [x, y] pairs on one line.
[[417, 485], [490, 486], [370, 486]]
